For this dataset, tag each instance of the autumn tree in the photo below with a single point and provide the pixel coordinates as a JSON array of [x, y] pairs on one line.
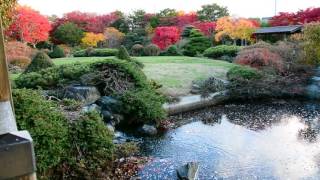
[[68, 33], [207, 28], [212, 12], [28, 26], [166, 36], [91, 39], [184, 19], [300, 17], [235, 29], [113, 37], [6, 10]]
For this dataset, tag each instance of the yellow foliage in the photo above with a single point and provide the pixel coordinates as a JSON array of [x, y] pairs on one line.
[[91, 39], [234, 28]]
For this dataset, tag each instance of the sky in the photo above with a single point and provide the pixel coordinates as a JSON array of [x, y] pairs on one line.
[[238, 8]]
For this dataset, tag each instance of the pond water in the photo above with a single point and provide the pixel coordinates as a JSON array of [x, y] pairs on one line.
[[251, 141]]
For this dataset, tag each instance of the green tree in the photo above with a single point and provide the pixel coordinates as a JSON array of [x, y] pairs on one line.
[[311, 34], [69, 33], [212, 12], [187, 31], [168, 13], [197, 44], [6, 8], [123, 54]]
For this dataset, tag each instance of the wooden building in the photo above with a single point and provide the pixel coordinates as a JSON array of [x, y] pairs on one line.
[[277, 33]]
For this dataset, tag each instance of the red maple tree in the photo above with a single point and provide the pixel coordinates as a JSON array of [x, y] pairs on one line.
[[300, 17], [28, 26], [207, 28], [166, 36]]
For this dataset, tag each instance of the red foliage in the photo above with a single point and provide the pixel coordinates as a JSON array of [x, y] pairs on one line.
[[207, 28], [186, 19], [88, 22], [166, 36], [301, 17], [16, 50], [29, 26], [259, 58]]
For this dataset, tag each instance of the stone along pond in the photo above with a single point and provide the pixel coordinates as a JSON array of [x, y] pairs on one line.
[[240, 141]]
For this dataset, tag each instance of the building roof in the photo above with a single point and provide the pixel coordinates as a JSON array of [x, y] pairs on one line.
[[279, 29]]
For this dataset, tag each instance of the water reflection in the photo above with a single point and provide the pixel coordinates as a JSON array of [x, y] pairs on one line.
[[231, 145]]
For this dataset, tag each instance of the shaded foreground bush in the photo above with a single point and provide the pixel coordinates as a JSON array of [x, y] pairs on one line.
[[249, 83], [47, 126], [92, 147], [112, 78], [143, 106], [63, 149], [91, 52]]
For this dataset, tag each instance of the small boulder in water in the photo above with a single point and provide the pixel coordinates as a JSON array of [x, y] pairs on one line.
[[188, 171], [148, 130]]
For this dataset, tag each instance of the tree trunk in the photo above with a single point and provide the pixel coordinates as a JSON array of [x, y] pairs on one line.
[[7, 120]]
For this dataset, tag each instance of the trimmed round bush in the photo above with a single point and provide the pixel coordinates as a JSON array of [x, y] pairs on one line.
[[137, 50], [39, 62], [47, 126], [152, 50], [57, 52], [103, 52], [171, 51], [243, 72], [220, 51], [123, 54]]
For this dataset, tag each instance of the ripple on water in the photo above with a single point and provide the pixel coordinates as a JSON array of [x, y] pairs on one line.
[[229, 148]]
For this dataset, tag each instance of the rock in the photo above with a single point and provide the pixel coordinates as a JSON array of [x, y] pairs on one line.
[[149, 130], [91, 107], [109, 104], [188, 171], [107, 115], [110, 127], [86, 94]]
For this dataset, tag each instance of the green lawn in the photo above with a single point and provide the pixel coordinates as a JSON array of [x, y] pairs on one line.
[[175, 73]]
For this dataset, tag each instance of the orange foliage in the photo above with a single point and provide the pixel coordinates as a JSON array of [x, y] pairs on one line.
[[235, 28], [113, 37]]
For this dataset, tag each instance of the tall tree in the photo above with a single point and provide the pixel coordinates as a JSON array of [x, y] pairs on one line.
[[29, 26], [68, 33], [6, 10], [212, 12]]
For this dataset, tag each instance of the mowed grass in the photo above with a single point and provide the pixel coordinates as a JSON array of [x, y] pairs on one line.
[[175, 73]]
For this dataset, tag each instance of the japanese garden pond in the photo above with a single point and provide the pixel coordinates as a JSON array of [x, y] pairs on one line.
[[240, 141]]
